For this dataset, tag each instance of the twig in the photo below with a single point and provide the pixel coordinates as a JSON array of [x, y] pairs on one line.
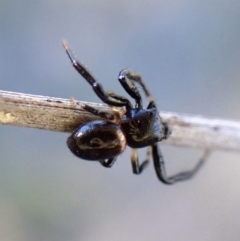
[[64, 115]]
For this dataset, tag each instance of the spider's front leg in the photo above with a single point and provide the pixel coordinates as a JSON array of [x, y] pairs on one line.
[[98, 89], [126, 78], [182, 176]]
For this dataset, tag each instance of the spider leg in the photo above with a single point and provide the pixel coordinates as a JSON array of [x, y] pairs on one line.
[[115, 96], [136, 167], [161, 172], [104, 114], [109, 162], [126, 79], [98, 89]]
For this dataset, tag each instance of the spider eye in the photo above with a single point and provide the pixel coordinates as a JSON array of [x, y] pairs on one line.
[[96, 142]]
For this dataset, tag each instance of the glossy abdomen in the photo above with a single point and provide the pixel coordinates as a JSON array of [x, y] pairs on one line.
[[97, 140]]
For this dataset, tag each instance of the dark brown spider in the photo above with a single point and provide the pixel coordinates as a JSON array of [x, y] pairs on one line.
[[104, 140]]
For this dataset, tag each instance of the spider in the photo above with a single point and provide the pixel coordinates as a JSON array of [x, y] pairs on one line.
[[105, 140]]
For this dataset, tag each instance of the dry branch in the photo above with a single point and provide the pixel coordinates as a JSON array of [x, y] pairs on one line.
[[64, 115]]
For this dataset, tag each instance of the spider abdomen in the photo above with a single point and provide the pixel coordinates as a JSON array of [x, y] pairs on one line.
[[97, 140]]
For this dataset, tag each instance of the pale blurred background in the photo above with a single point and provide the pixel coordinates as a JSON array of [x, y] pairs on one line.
[[189, 54]]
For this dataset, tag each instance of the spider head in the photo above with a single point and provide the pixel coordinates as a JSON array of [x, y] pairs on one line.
[[142, 127]]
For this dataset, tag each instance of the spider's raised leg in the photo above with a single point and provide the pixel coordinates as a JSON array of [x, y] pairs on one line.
[[98, 89], [108, 163], [136, 167], [126, 79], [161, 172]]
